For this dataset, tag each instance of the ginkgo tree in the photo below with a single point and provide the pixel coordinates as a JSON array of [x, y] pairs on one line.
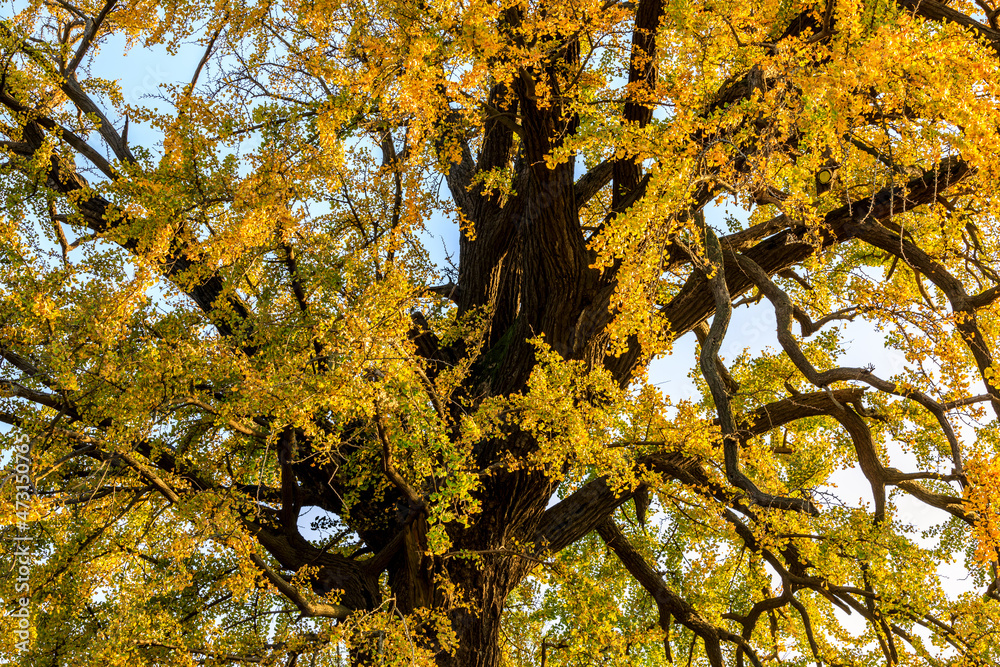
[[268, 424]]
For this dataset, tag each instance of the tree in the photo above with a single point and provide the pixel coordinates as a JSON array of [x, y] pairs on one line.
[[249, 333]]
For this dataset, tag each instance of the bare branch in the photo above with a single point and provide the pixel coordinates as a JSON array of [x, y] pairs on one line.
[[205, 57]]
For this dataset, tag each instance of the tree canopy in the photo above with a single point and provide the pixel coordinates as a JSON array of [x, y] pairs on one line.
[[270, 423]]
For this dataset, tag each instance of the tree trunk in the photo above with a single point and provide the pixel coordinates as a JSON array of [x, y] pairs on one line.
[[470, 583], [469, 592], [477, 628]]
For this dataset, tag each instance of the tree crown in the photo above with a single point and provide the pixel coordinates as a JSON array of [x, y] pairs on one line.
[[224, 316]]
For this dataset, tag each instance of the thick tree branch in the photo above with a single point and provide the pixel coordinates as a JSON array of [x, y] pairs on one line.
[[877, 474], [593, 182], [641, 87], [937, 11], [579, 513], [664, 596], [225, 310], [695, 303], [354, 583], [90, 32], [307, 607]]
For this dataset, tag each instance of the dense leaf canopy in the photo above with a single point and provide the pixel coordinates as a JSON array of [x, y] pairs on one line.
[[268, 422]]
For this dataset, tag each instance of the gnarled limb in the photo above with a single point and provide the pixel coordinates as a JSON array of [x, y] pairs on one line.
[[732, 386], [877, 474], [357, 584], [579, 513], [787, 247], [709, 369], [227, 312]]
